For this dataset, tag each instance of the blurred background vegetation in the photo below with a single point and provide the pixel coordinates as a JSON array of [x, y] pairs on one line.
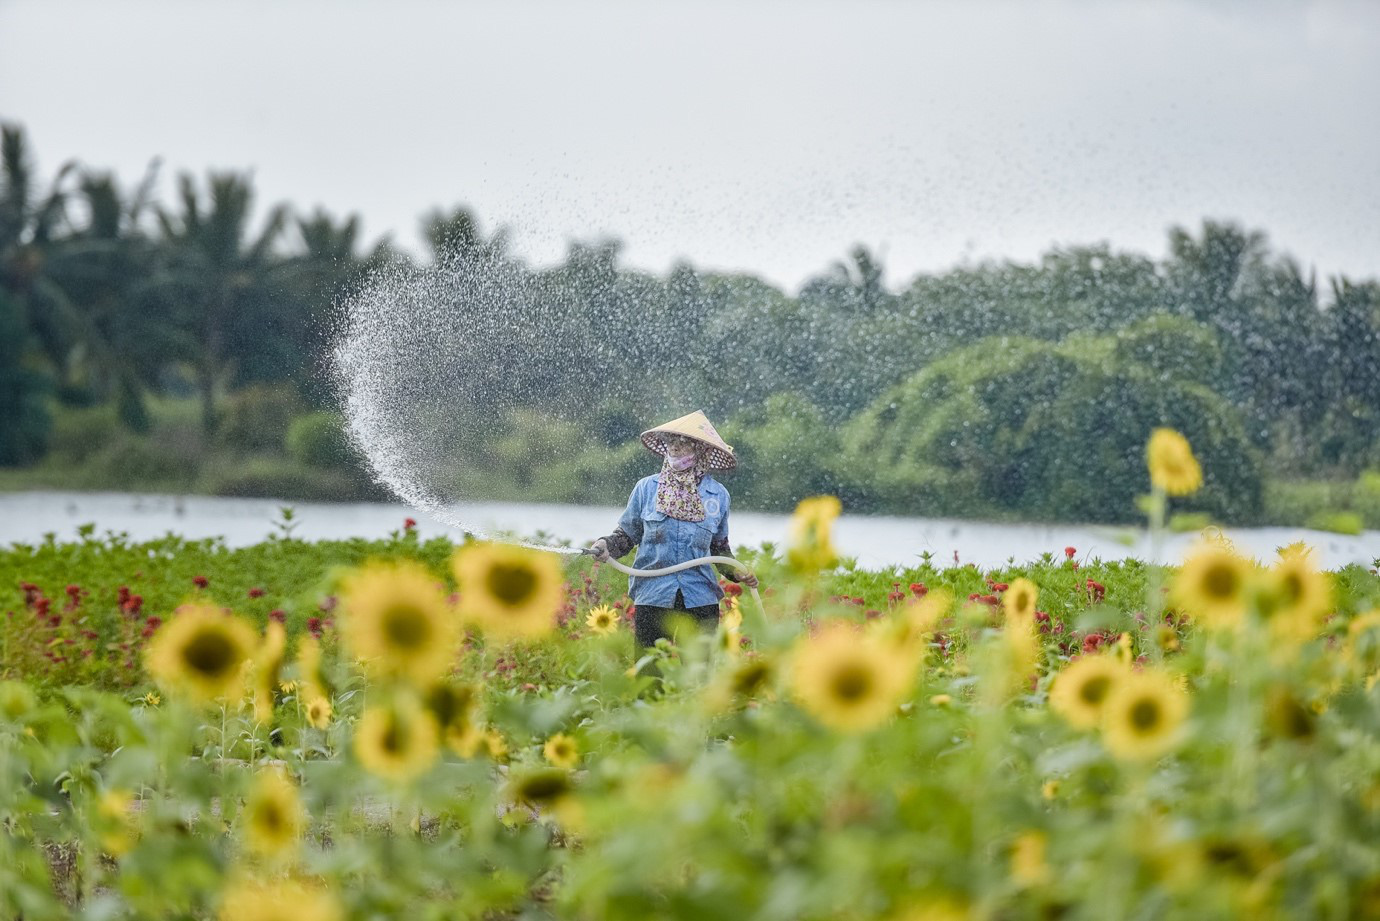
[[179, 346]]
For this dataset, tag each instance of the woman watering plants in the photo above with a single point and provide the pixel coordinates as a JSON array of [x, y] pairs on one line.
[[675, 516]]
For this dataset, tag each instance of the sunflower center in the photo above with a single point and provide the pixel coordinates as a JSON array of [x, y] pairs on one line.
[[406, 627], [750, 679], [852, 683], [1220, 582], [1292, 588], [1145, 715], [511, 584], [209, 652], [544, 788], [1094, 690], [394, 738], [271, 817]]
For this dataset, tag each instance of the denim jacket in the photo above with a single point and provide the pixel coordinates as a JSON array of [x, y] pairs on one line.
[[663, 541]]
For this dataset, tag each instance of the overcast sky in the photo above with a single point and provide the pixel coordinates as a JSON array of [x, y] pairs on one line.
[[764, 136]]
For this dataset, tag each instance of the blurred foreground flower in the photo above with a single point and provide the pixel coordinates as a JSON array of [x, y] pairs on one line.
[[397, 620], [201, 653], [508, 591], [268, 661], [278, 900], [847, 680], [396, 741], [1294, 598], [1173, 468], [319, 712], [1018, 601], [273, 815], [809, 540], [1082, 688], [1143, 716], [561, 751], [1213, 586]]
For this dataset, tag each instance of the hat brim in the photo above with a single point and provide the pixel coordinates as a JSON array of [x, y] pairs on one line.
[[719, 459]]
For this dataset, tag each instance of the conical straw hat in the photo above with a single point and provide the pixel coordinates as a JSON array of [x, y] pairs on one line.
[[694, 425]]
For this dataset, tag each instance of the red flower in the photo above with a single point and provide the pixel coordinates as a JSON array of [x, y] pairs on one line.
[[74, 592], [733, 588], [918, 589], [133, 603], [256, 592], [200, 581], [327, 604], [409, 524], [1096, 590], [278, 614], [1069, 552], [314, 625], [122, 596], [999, 586]]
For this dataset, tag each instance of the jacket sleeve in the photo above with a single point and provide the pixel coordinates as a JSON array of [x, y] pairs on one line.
[[628, 534]]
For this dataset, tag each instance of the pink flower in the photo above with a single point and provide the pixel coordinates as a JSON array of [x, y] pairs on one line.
[[256, 592], [918, 589], [1069, 552], [409, 524], [278, 614], [200, 581]]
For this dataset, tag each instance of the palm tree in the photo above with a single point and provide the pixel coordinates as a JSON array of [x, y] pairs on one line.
[[217, 274]]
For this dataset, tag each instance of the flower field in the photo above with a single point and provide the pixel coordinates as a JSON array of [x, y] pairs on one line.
[[371, 729]]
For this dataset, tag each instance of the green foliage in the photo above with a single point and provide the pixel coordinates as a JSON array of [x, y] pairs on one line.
[[258, 417], [24, 420], [1054, 432], [318, 440]]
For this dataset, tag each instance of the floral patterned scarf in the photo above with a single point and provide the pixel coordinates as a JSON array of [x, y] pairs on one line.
[[678, 491]]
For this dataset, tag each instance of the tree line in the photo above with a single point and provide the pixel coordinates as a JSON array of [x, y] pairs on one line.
[[984, 387]]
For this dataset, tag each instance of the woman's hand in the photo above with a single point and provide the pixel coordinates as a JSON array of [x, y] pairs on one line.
[[747, 579], [601, 550]]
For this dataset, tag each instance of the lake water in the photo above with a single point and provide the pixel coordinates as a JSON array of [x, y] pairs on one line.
[[875, 541]]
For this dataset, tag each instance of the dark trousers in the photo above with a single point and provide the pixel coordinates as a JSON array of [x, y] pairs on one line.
[[649, 623]]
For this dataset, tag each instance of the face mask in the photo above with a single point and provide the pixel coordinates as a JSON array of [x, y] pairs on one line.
[[681, 463]]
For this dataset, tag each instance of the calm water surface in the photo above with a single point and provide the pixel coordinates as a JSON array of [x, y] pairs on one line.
[[875, 541]]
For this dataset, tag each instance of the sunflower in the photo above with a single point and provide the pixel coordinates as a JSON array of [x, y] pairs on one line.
[[1143, 716], [602, 620], [541, 787], [268, 661], [1028, 866], [397, 741], [510, 592], [1081, 689], [398, 622], [1295, 597], [273, 815], [561, 751], [319, 712], [201, 652], [847, 680], [810, 545], [915, 622], [450, 704], [1018, 601], [1173, 468], [1011, 660], [1213, 586], [278, 900], [115, 822], [309, 668]]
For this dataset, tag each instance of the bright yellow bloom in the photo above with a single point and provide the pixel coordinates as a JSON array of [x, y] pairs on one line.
[[1295, 598], [494, 745], [561, 751], [810, 546], [319, 712], [509, 592], [1214, 586], [1173, 468], [602, 620], [397, 620], [1018, 601], [1297, 550], [152, 699], [278, 900], [115, 822], [1143, 716], [464, 738], [541, 787], [749, 678], [396, 741], [309, 668], [913, 623], [847, 680], [732, 617], [1081, 689], [1010, 662], [1028, 866], [273, 815], [201, 653], [268, 660]]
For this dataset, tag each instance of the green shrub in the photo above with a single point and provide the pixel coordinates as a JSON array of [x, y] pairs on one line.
[[81, 433], [274, 478], [1052, 431], [257, 418], [1366, 498], [318, 440], [1338, 522], [24, 419]]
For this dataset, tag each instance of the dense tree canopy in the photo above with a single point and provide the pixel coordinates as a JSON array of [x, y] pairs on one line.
[[1021, 388]]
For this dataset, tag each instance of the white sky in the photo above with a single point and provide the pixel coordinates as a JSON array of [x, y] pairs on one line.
[[769, 136]]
